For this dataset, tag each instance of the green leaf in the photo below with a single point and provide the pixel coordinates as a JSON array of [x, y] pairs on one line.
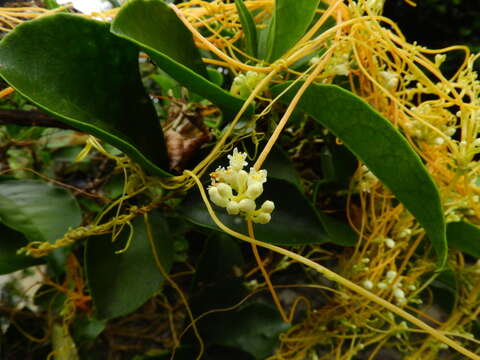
[[50, 4], [87, 328], [40, 211], [155, 27], [374, 140], [445, 290], [464, 237], [289, 23], [75, 69], [249, 28], [218, 261], [120, 283], [217, 283], [253, 328], [279, 166], [10, 242], [339, 232], [294, 221], [338, 164]]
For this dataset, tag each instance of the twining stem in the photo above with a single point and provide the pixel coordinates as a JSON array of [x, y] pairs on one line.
[[329, 274], [276, 300], [293, 104], [6, 91], [258, 89]]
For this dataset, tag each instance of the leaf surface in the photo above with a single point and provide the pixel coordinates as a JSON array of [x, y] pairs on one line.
[[465, 237], [75, 69], [40, 211], [120, 283], [254, 329], [10, 242], [289, 23], [248, 26], [154, 26], [374, 140]]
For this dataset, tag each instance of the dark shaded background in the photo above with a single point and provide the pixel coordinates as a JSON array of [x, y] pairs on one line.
[[438, 23]]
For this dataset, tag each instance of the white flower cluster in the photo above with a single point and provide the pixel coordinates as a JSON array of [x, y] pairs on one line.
[[236, 190]]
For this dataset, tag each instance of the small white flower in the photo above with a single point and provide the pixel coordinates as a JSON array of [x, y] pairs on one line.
[[268, 207], [254, 190], [390, 243], [233, 208], [391, 275], [341, 69], [438, 140], [247, 205], [224, 190], [367, 284], [382, 285], [237, 160], [398, 293], [450, 131], [257, 176], [262, 218], [216, 198], [390, 80], [404, 233]]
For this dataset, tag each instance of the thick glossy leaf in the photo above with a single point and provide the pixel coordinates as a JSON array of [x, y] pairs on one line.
[[338, 164], [221, 256], [445, 289], [120, 283], [75, 69], [10, 242], [289, 23], [465, 237], [254, 329], [155, 27], [338, 232], [375, 141], [248, 26], [294, 221], [279, 166], [216, 283], [40, 211]]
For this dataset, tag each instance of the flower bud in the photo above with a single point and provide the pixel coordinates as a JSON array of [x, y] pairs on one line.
[[268, 207], [399, 294], [216, 198], [262, 218], [224, 190], [233, 208], [247, 205], [390, 243], [240, 180], [254, 190]]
